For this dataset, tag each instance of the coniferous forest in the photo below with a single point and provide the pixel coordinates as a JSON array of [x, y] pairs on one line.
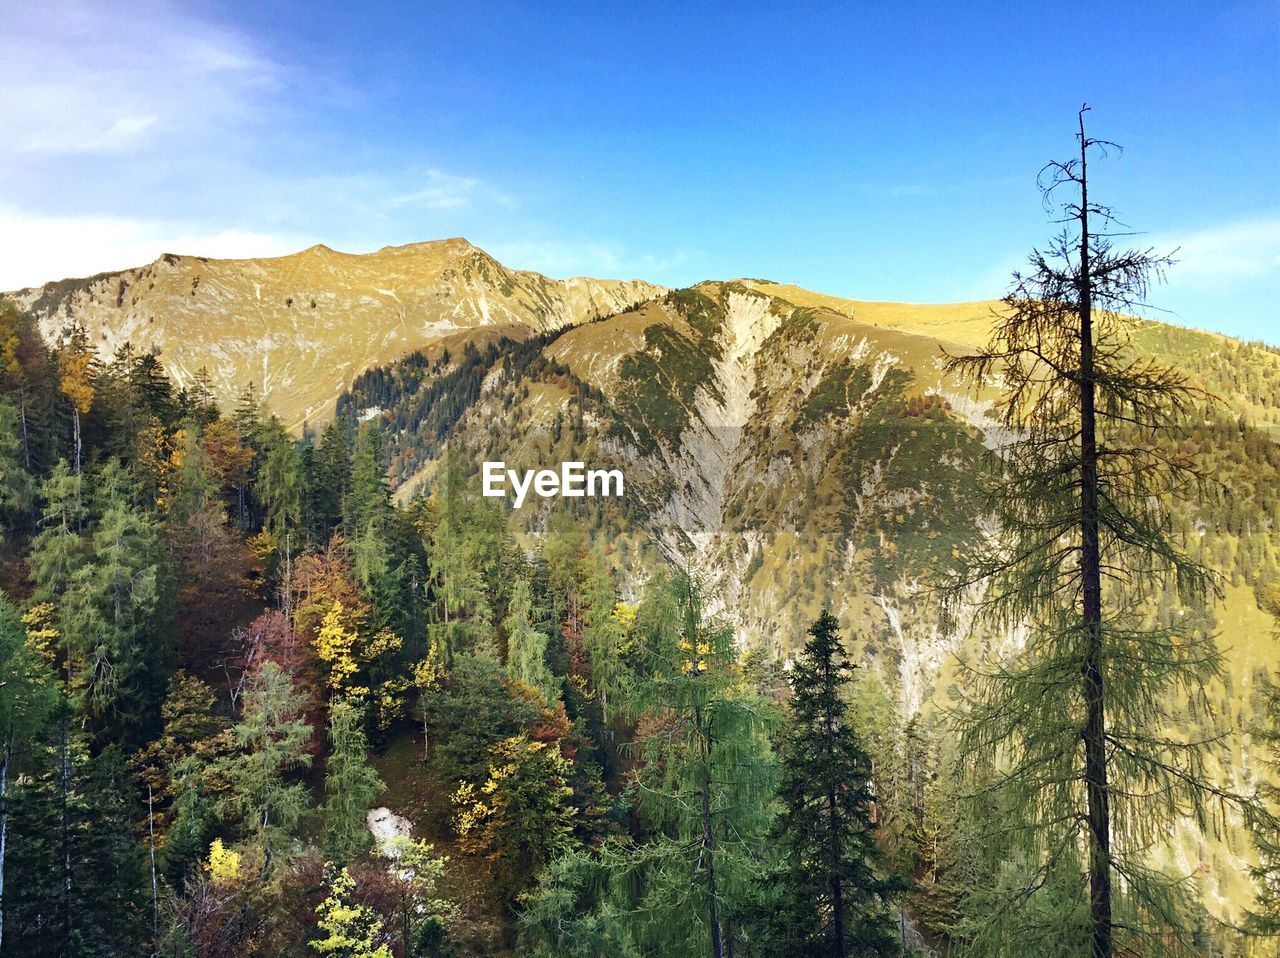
[[250, 704]]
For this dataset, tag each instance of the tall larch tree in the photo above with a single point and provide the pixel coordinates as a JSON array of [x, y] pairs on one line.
[[351, 785], [263, 797], [1084, 774], [527, 646]]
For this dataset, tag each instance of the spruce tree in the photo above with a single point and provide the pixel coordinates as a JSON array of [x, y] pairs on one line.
[[705, 783], [15, 482], [28, 696], [828, 894], [117, 610]]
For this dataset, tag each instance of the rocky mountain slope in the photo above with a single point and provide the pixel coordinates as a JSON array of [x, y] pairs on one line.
[[801, 450], [300, 327], [797, 450]]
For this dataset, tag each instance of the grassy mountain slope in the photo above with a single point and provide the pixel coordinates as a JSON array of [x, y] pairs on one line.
[[799, 450], [300, 327], [802, 451]]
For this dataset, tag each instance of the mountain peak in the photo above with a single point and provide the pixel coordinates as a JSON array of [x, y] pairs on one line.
[[301, 326]]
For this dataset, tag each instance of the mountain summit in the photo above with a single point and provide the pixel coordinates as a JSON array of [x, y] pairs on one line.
[[301, 327]]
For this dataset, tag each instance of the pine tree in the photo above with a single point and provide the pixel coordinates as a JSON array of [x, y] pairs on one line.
[[15, 481], [333, 478], [116, 611], [271, 741], [350, 785], [279, 484], [827, 894], [1072, 734], [191, 738], [82, 886]]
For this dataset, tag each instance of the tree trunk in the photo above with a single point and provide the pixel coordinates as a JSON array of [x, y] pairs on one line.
[[837, 887], [4, 830], [838, 948], [155, 887], [65, 789], [708, 839], [1094, 733], [75, 429], [26, 440]]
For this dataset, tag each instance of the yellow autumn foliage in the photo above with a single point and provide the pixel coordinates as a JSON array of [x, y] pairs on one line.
[[223, 865]]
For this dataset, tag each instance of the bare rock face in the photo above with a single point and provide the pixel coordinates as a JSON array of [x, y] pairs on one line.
[[386, 826], [300, 327]]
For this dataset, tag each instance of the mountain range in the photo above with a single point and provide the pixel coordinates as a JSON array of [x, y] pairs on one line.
[[797, 450], [800, 448]]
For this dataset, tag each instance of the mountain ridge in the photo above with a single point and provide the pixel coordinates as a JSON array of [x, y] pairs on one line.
[[301, 326]]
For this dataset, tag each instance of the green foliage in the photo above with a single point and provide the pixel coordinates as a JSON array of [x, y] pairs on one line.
[[81, 886], [527, 647], [520, 817], [350, 785], [15, 481], [1079, 765], [170, 768], [704, 785], [825, 894], [270, 739], [279, 484]]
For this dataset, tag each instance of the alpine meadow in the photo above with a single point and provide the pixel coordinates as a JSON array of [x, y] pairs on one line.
[[404, 604]]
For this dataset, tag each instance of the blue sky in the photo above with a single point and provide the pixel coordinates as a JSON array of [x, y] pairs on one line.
[[876, 151]]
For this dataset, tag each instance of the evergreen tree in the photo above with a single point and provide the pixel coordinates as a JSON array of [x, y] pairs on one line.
[[350, 785], [271, 740], [527, 647], [172, 765], [332, 479], [116, 610], [82, 888], [279, 484], [827, 895], [27, 698], [707, 777], [15, 481]]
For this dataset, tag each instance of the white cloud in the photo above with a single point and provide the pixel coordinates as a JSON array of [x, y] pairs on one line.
[[99, 79], [36, 249], [1223, 257], [137, 127], [587, 258], [446, 191]]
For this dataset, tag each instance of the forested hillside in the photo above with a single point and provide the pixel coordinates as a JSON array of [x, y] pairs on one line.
[[270, 693]]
